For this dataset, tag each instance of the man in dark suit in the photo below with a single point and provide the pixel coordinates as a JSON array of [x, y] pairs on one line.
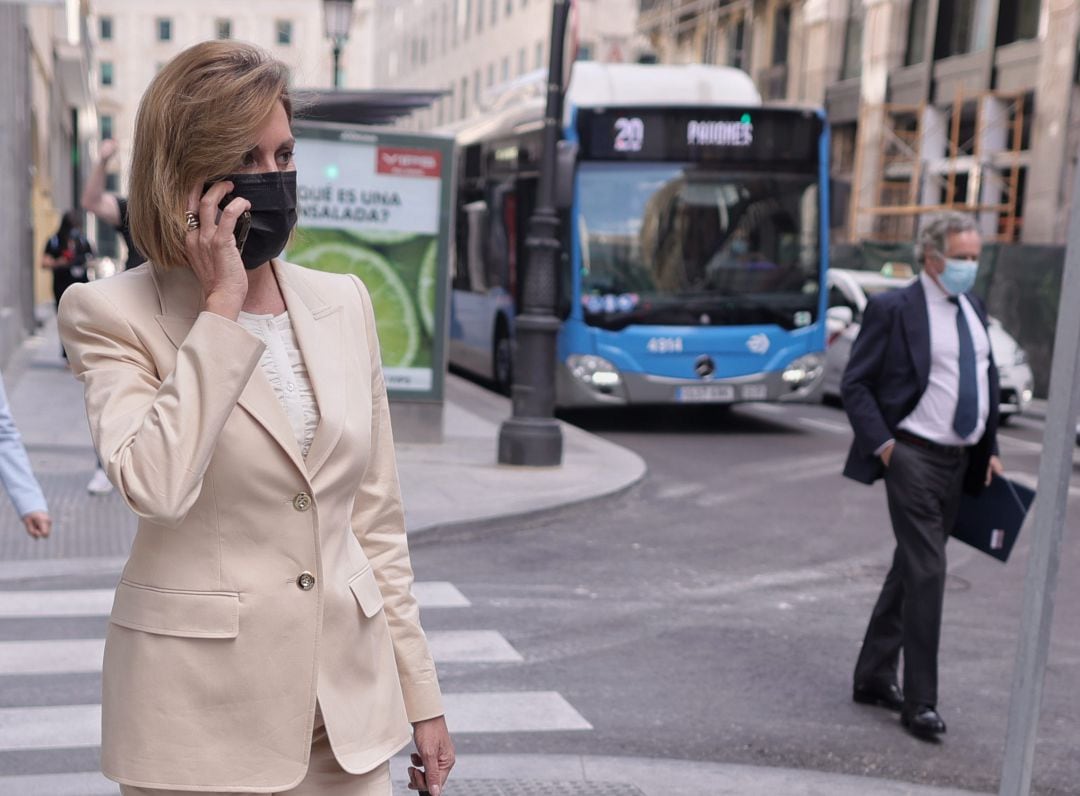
[[921, 391]]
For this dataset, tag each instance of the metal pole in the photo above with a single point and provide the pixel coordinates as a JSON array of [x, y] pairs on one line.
[[337, 62], [1055, 470], [532, 436]]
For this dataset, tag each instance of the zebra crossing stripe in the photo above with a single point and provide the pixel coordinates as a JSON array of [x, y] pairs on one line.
[[76, 656], [98, 602], [511, 711], [68, 656], [79, 726], [57, 727]]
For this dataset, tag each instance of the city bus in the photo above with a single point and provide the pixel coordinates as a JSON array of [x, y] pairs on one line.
[[694, 223]]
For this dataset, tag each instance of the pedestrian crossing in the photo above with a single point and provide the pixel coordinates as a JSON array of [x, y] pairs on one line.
[[60, 730]]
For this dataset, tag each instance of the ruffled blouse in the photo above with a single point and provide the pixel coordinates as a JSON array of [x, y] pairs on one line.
[[284, 367]]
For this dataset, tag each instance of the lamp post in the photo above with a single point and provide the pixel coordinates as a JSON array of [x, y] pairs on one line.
[[337, 15], [532, 436]]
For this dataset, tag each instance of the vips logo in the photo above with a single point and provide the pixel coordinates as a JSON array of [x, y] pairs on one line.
[[758, 344], [409, 162]]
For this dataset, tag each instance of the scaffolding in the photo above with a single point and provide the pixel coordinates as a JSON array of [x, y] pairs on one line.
[[967, 156]]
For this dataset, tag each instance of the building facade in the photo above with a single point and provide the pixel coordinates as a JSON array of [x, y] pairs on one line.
[[468, 48], [965, 104], [132, 39], [46, 109]]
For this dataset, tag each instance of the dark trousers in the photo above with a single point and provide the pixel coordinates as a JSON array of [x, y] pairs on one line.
[[924, 488]]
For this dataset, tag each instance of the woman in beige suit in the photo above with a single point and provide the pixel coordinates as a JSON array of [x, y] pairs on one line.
[[263, 638]]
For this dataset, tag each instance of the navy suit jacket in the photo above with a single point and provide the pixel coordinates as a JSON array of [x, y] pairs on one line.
[[887, 375]]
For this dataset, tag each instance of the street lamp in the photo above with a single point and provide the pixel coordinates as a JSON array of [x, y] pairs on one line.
[[337, 14], [532, 435]]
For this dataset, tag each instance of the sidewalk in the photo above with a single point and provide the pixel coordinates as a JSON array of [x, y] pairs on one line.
[[451, 485]]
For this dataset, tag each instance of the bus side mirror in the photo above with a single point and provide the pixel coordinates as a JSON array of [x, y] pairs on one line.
[[565, 164]]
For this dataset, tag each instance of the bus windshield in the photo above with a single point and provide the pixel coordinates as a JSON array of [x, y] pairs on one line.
[[676, 243]]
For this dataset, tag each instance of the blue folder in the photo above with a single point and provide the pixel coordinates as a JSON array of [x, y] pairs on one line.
[[991, 522]]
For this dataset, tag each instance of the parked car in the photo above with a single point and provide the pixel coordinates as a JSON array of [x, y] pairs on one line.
[[849, 292]]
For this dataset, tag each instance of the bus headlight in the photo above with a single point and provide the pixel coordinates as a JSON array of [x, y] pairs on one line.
[[803, 371], [595, 372]]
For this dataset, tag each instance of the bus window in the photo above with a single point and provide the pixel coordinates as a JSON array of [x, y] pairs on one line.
[[476, 214]]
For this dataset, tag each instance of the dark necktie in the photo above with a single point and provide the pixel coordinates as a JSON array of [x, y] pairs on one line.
[[967, 396]]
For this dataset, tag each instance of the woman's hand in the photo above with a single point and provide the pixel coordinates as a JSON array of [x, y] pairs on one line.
[[38, 524], [431, 766], [212, 253]]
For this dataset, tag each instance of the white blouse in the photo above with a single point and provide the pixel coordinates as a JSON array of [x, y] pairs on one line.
[[284, 366]]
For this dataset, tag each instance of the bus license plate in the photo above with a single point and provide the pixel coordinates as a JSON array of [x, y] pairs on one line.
[[706, 393]]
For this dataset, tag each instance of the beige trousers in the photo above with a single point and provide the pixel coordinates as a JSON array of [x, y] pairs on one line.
[[324, 776]]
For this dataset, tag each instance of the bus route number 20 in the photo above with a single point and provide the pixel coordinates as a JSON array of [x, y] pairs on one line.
[[664, 345], [629, 134]]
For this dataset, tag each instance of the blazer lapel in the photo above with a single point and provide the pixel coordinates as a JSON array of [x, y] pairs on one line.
[[917, 331], [319, 334], [181, 299]]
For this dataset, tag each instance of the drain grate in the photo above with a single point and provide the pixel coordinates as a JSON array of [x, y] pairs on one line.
[[517, 787]]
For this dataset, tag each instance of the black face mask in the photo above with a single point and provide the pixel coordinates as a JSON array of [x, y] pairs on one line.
[[273, 213]]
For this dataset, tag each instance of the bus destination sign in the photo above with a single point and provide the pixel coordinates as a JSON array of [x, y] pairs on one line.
[[730, 135]]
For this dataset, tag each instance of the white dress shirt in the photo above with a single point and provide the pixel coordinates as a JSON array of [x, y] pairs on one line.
[[932, 419], [284, 366]]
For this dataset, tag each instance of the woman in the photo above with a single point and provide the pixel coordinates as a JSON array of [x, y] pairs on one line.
[[65, 255], [263, 638]]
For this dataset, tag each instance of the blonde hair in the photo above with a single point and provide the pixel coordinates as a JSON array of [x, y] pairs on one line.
[[202, 113]]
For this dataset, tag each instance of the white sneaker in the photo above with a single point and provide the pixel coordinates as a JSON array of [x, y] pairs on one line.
[[99, 484]]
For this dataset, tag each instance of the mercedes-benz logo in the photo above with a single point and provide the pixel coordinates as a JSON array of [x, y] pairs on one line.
[[704, 366]]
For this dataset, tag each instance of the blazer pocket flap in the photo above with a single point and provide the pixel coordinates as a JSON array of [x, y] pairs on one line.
[[170, 612], [366, 590]]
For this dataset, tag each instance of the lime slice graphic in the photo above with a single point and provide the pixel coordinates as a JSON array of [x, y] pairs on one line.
[[399, 332], [380, 237], [425, 288]]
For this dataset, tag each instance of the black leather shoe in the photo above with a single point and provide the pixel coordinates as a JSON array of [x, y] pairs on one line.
[[886, 695], [923, 722]]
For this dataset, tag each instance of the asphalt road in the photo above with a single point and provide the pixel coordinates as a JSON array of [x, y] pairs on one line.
[[715, 611]]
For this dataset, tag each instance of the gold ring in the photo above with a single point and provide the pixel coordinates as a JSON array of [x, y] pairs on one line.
[[191, 220]]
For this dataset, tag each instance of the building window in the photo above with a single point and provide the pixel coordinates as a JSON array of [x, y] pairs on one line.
[[467, 27], [916, 41], [491, 75], [737, 43], [480, 15], [506, 68], [781, 35], [584, 52], [476, 86], [539, 57], [853, 39], [107, 73], [522, 61], [494, 12], [106, 122], [963, 27], [464, 97], [105, 28], [1017, 20], [284, 32], [164, 29], [509, 7], [223, 28]]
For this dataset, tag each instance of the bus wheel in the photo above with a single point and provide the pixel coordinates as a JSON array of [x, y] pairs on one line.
[[503, 361]]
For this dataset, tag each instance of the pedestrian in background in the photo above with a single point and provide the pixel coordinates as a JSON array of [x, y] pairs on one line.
[[921, 391], [66, 254], [18, 477], [109, 207], [264, 636]]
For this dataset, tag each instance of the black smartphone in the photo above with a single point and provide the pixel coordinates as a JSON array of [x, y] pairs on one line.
[[243, 223]]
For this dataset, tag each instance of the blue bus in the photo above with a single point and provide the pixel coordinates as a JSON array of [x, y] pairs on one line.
[[694, 230]]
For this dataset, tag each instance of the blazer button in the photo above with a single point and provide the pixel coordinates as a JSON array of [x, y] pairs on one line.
[[306, 581], [302, 502]]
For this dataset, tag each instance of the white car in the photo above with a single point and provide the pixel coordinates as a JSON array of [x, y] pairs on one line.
[[849, 292]]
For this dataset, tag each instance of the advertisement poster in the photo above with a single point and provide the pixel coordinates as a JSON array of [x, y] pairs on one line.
[[374, 203]]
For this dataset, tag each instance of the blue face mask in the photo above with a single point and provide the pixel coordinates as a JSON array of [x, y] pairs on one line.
[[958, 276]]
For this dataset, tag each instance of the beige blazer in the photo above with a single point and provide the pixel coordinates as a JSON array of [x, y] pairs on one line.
[[258, 581]]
